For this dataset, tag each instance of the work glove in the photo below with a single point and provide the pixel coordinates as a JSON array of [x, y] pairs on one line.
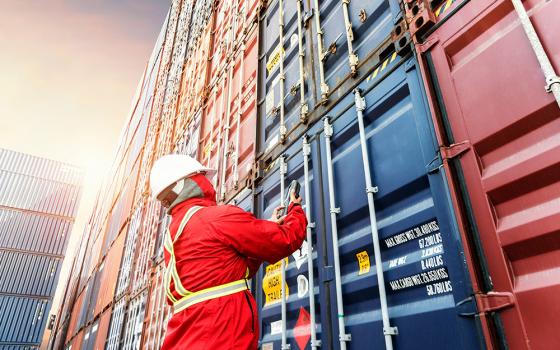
[[278, 210]]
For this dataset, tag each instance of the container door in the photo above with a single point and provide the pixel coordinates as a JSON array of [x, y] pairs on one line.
[[492, 99], [303, 313], [285, 51], [350, 31], [425, 275]]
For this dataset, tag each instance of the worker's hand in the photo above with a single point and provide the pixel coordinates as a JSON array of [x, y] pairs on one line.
[[293, 198], [275, 215]]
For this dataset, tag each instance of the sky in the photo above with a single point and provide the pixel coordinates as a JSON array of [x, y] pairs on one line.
[[68, 72]]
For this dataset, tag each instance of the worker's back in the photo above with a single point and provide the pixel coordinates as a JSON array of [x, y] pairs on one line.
[[215, 247]]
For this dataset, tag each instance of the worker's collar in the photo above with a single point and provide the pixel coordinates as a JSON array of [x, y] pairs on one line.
[[197, 190]]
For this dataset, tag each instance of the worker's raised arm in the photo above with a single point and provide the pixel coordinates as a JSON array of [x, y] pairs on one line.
[[262, 239]]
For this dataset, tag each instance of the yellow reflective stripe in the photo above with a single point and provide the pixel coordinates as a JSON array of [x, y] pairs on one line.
[[185, 220], [172, 267], [247, 273], [168, 280], [178, 285], [168, 243], [210, 293]]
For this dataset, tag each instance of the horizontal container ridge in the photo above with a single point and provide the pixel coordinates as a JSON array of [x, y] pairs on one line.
[[20, 163], [36, 194], [423, 161]]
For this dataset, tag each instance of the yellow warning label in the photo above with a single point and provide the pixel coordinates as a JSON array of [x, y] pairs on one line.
[[274, 58], [363, 261], [272, 283]]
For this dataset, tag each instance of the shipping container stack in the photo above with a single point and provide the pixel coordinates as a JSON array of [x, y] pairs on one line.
[[38, 203], [419, 202]]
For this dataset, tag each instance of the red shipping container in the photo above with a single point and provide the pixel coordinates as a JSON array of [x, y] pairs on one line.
[[487, 93], [194, 80], [229, 122], [234, 19], [110, 273], [102, 330], [78, 340], [75, 314]]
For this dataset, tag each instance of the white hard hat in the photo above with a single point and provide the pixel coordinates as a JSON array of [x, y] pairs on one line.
[[174, 167]]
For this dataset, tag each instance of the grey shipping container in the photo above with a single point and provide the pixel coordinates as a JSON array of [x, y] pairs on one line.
[[38, 202], [37, 194], [22, 230], [20, 163]]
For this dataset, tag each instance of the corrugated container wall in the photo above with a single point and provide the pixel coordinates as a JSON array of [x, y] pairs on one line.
[[38, 202], [429, 173]]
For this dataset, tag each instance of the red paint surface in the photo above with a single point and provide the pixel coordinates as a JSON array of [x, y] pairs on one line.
[[75, 314], [110, 275], [234, 19], [102, 330], [193, 84], [78, 340], [493, 92]]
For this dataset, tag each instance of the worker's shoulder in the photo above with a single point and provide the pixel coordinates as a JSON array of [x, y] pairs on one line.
[[222, 210]]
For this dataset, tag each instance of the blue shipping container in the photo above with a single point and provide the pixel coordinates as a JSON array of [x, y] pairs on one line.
[[426, 280], [278, 58], [28, 273], [22, 319]]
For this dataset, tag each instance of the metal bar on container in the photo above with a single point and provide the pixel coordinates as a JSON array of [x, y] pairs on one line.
[[220, 136], [227, 128], [552, 79], [282, 77], [231, 60], [239, 115], [283, 171], [352, 57], [304, 109], [322, 55], [334, 211], [388, 330], [306, 152], [212, 117]]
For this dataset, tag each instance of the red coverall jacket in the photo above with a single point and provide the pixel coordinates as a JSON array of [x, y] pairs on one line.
[[216, 247]]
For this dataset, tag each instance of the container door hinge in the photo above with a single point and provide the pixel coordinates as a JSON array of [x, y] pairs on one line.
[[485, 303], [454, 150], [258, 171]]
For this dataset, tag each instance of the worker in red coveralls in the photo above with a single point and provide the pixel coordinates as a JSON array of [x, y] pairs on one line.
[[211, 251]]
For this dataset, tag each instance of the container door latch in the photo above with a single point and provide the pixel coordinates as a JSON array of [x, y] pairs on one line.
[[455, 150], [485, 303], [447, 153]]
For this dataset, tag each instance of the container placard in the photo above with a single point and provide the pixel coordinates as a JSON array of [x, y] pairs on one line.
[[272, 283]]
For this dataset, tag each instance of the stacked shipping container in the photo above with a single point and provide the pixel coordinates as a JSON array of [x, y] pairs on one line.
[[420, 202], [38, 203]]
